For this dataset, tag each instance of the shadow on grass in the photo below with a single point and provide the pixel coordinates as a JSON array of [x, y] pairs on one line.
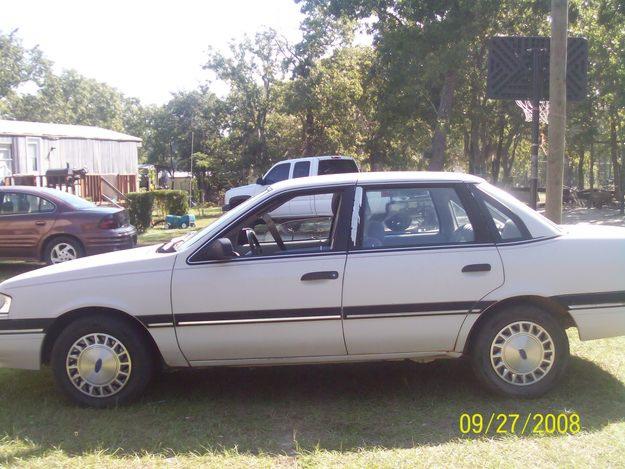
[[286, 409]]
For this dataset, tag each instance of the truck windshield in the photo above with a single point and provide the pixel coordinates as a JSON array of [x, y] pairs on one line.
[[337, 167]]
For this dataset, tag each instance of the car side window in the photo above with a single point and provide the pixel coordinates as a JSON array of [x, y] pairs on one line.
[[279, 230], [278, 173], [413, 217], [506, 227], [18, 204], [46, 206], [301, 169]]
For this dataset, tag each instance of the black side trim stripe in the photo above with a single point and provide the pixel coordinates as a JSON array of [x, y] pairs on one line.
[[591, 299], [152, 319], [310, 314], [18, 324], [262, 314], [458, 307]]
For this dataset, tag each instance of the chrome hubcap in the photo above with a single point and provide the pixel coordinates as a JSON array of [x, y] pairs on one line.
[[522, 353], [63, 252], [98, 365]]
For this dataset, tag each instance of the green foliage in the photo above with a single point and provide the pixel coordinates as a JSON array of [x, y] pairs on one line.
[[413, 99], [140, 206], [170, 202]]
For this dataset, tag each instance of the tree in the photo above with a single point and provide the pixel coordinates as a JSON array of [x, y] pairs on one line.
[[18, 66], [253, 72]]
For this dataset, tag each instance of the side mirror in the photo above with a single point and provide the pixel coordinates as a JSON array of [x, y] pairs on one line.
[[219, 250], [260, 181]]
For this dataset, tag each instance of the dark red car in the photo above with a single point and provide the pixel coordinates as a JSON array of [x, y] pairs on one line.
[[56, 226]]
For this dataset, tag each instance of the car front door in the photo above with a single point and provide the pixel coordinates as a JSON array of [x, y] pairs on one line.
[[278, 304], [410, 284], [24, 221]]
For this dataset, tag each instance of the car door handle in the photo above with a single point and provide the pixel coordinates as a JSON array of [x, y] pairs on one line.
[[476, 268], [326, 275], [40, 222]]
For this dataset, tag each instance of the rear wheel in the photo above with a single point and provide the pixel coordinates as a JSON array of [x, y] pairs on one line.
[[101, 362], [62, 249], [521, 351]]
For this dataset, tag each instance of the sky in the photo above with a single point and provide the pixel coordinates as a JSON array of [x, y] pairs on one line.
[[146, 49]]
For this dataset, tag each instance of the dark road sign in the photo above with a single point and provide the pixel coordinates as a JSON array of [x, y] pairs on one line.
[[510, 72]]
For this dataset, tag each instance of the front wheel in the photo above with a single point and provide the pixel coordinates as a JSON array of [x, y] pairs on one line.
[[101, 362], [521, 351]]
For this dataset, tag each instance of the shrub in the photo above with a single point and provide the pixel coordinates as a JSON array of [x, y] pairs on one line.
[[171, 202], [140, 206]]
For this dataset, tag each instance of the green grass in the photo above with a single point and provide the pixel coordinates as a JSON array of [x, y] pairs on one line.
[[160, 234], [372, 415]]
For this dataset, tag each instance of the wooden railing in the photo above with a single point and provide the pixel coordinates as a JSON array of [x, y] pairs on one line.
[[90, 186]]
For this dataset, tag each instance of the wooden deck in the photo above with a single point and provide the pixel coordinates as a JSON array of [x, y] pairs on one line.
[[99, 188]]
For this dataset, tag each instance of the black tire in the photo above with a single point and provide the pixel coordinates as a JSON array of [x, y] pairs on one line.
[[140, 372], [60, 241], [489, 330]]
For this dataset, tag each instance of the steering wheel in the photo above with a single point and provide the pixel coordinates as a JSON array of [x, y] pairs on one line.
[[252, 240], [273, 229]]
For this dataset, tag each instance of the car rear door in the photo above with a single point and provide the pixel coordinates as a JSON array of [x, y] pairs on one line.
[[409, 289], [24, 221]]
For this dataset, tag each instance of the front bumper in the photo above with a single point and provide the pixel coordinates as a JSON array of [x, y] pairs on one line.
[[21, 349]]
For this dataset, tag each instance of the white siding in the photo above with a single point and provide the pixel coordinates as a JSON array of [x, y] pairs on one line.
[[97, 156]]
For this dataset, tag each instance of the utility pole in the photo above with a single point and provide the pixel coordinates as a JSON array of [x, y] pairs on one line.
[[191, 173], [557, 109], [537, 80]]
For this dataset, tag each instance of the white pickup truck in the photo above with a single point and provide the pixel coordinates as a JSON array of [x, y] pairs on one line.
[[395, 211], [319, 205]]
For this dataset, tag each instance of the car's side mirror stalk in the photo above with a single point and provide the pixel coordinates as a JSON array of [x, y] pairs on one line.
[[220, 249], [260, 181]]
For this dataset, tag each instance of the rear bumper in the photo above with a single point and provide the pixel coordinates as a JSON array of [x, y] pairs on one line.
[[599, 322], [21, 350], [111, 240]]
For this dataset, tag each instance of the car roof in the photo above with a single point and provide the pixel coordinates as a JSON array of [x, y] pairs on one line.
[[376, 177], [310, 158], [31, 190]]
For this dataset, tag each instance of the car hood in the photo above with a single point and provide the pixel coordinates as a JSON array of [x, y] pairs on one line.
[[249, 189], [130, 261]]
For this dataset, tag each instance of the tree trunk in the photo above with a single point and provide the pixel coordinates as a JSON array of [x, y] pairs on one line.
[[373, 150], [308, 148], [474, 143], [495, 167], [591, 169], [616, 166], [580, 169], [439, 140]]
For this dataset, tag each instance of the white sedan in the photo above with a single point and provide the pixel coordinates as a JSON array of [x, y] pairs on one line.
[[468, 271]]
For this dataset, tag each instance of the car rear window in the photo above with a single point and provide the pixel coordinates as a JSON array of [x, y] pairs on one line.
[[73, 200], [337, 167]]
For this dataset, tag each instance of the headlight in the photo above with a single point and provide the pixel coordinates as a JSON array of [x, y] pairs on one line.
[[5, 304]]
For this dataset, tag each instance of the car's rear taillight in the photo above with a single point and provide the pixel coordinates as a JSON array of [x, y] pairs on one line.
[[109, 222]]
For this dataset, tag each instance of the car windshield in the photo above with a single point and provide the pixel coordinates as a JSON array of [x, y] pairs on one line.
[[76, 202], [226, 218]]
